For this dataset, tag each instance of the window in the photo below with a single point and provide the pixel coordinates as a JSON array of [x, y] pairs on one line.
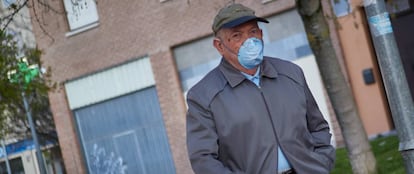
[[341, 7], [194, 60], [125, 135], [16, 166], [81, 13]]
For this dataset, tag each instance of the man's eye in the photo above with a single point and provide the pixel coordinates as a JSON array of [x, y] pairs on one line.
[[236, 36], [254, 31]]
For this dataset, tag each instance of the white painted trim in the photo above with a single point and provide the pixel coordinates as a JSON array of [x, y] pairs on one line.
[[110, 83], [82, 29]]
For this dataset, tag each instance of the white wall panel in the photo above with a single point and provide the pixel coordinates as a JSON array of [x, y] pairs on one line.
[[314, 80], [110, 83]]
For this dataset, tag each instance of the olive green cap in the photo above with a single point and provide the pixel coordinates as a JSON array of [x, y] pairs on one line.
[[234, 15]]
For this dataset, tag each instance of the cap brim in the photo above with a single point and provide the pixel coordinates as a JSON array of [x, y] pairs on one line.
[[242, 20]]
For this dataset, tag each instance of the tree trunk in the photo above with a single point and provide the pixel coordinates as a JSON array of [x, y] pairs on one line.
[[356, 141]]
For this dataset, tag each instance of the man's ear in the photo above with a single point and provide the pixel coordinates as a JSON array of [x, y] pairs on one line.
[[218, 45]]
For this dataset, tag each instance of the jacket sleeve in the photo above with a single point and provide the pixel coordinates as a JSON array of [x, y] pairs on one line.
[[319, 129], [202, 140]]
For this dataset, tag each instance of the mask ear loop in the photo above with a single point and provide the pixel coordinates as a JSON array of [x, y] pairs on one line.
[[227, 48]]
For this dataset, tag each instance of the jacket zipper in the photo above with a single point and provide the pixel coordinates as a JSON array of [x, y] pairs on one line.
[[273, 126]]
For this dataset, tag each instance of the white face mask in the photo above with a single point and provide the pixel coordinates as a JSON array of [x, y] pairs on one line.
[[251, 53]]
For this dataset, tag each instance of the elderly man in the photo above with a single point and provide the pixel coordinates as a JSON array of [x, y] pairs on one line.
[[254, 114]]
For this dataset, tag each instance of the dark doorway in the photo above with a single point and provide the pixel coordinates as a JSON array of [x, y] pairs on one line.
[[402, 19]]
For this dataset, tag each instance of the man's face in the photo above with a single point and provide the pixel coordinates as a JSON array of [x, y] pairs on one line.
[[229, 40]]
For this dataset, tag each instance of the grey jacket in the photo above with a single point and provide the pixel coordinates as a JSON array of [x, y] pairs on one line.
[[233, 126]]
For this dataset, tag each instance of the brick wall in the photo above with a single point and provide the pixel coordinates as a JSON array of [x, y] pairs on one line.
[[65, 126], [172, 106]]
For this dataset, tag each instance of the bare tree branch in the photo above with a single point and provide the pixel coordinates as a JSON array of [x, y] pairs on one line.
[[50, 7], [40, 25], [11, 16]]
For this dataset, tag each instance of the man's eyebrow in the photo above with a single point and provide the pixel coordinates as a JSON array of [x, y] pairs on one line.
[[238, 30], [233, 30], [254, 27]]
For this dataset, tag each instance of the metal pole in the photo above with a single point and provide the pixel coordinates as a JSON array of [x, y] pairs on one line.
[[395, 82], [6, 157], [40, 161]]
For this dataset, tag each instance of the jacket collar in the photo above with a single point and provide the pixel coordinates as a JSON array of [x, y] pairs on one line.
[[235, 77]]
